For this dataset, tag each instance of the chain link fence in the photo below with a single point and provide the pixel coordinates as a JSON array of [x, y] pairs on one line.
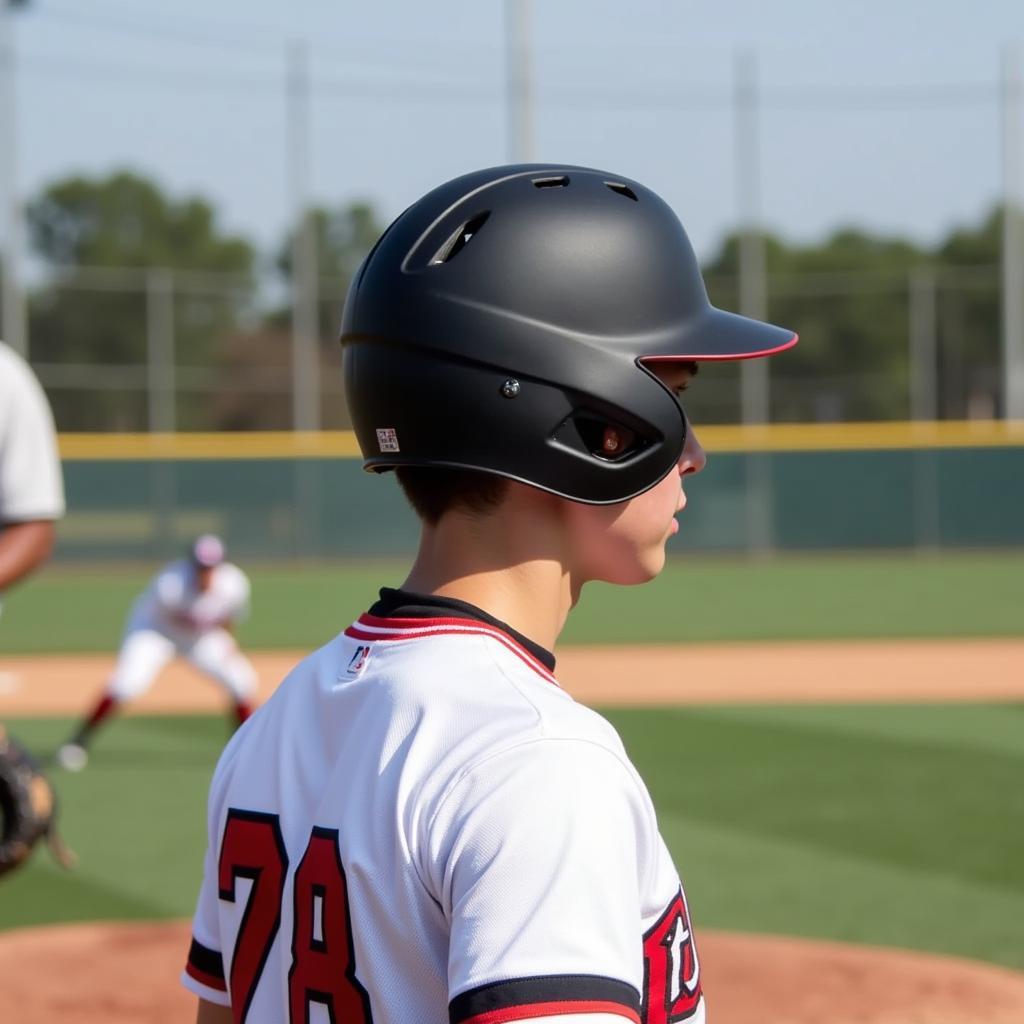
[[164, 350]]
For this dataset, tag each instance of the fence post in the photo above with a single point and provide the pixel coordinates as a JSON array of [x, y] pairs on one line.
[[161, 396], [1012, 236], [755, 400], [924, 404], [924, 390], [160, 376], [927, 505]]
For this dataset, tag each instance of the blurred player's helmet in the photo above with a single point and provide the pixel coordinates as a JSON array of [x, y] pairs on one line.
[[207, 551], [502, 322]]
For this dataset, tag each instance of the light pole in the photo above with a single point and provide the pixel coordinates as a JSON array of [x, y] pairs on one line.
[[754, 383], [14, 325], [1012, 257], [305, 342], [518, 26]]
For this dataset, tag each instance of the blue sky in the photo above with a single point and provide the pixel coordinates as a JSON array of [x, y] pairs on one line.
[[881, 114]]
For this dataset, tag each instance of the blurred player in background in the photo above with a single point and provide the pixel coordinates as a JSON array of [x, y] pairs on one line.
[[31, 501], [190, 609], [31, 488]]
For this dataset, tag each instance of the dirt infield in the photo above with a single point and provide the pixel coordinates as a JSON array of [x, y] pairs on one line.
[[877, 671], [120, 973], [109, 973]]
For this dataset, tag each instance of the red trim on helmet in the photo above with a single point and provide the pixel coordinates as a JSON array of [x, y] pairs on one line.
[[688, 358]]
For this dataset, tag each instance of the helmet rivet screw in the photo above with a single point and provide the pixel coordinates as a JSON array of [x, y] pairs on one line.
[[510, 388]]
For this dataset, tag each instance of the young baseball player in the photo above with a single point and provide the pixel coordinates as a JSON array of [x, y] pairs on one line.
[[190, 609], [421, 825], [31, 502]]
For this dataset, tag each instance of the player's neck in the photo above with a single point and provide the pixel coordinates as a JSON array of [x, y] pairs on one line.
[[509, 563]]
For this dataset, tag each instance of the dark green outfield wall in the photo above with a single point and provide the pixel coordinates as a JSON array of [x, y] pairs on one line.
[[931, 498], [271, 507]]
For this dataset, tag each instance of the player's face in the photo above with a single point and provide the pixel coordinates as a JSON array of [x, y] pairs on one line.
[[204, 577], [625, 543]]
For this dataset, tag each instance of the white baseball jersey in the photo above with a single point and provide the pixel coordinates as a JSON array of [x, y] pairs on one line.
[[31, 487], [172, 603], [420, 825]]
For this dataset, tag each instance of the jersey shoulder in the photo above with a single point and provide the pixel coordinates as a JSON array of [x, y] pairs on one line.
[[297, 704], [31, 484], [21, 394], [444, 704], [230, 571], [15, 373], [559, 716], [231, 580], [481, 695], [174, 576]]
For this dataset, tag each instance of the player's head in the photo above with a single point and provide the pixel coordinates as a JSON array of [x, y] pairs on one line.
[[206, 552], [517, 322], [505, 320]]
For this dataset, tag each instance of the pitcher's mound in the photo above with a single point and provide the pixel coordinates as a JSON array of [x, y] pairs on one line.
[[104, 973]]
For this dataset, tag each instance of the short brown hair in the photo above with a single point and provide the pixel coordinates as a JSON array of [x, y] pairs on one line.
[[434, 490]]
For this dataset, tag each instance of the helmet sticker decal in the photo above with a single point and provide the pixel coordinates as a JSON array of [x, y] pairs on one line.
[[387, 439]]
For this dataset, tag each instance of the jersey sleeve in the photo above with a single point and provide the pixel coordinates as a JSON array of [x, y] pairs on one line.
[[169, 590], [238, 600], [204, 973], [31, 486], [540, 857]]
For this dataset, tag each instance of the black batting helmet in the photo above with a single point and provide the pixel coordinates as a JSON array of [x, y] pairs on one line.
[[504, 319]]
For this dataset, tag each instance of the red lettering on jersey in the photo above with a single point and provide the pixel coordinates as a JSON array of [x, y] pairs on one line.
[[323, 963], [671, 969], [252, 848]]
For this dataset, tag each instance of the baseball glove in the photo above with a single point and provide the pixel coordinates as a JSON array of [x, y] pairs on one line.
[[28, 807]]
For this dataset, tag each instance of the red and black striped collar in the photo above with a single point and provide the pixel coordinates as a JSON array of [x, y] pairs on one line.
[[412, 622], [404, 604]]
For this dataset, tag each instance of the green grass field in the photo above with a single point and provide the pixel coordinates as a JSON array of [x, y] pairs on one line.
[[695, 599], [898, 825], [893, 825]]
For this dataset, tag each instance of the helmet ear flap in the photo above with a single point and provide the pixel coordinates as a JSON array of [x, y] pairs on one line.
[[417, 408]]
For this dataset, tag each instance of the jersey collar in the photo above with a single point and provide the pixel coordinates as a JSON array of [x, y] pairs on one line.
[[395, 603]]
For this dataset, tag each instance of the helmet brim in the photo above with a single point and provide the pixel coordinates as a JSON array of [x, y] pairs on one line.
[[721, 336]]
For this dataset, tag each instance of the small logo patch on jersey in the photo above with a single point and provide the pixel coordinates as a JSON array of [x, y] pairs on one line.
[[358, 660], [387, 439], [671, 968]]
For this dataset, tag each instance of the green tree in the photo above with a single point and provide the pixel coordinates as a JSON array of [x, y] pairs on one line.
[[969, 323], [251, 359], [99, 237], [344, 236], [847, 298]]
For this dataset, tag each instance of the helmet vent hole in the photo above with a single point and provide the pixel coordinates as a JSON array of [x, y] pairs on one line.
[[459, 240], [558, 181], [623, 190]]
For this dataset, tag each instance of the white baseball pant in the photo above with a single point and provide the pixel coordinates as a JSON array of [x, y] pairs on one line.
[[145, 651]]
